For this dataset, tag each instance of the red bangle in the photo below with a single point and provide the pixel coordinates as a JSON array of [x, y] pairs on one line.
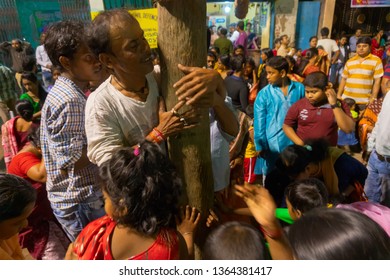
[[155, 139], [159, 134], [274, 234]]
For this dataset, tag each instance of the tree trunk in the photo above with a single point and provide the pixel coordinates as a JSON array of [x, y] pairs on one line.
[[182, 39]]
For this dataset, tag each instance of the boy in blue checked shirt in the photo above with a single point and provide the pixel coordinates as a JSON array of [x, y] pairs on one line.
[[72, 180]]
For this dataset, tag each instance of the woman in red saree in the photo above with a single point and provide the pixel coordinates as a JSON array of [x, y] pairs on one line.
[[141, 192], [15, 131], [43, 237], [378, 44]]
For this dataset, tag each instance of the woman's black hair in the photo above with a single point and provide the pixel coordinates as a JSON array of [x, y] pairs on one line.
[[237, 62], [307, 194], [64, 38], [225, 60], [268, 52], [143, 186], [338, 234], [15, 194], [42, 94], [25, 109], [316, 80], [291, 61], [251, 62], [312, 37], [310, 53], [234, 241], [294, 158], [279, 63]]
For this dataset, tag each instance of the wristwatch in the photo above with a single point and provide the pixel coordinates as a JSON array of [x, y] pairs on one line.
[[337, 105]]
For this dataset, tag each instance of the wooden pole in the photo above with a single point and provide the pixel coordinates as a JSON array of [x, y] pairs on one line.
[[182, 39]]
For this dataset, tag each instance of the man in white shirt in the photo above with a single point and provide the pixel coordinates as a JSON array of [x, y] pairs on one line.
[[44, 61], [330, 46], [234, 35], [377, 186]]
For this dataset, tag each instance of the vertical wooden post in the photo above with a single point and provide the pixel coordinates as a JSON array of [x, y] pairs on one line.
[[182, 39]]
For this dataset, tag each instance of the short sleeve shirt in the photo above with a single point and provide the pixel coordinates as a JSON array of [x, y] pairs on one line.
[[311, 122]]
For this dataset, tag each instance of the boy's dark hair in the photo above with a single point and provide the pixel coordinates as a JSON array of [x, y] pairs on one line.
[[338, 234], [223, 31], [324, 31], [212, 55], [143, 186], [364, 40], [25, 109], [64, 39], [277, 40], [279, 63], [349, 101], [307, 194], [237, 63], [316, 80], [99, 31], [15, 194], [234, 241]]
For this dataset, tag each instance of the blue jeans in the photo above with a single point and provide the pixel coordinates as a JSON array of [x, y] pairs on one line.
[[334, 70], [47, 79], [377, 185], [75, 218]]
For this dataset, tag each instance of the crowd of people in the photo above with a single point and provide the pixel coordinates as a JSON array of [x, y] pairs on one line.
[[299, 147]]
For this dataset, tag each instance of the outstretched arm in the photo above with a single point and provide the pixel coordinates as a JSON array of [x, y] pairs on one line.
[[262, 206]]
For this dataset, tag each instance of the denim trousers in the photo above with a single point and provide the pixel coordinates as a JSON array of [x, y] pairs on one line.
[[377, 185], [75, 218], [47, 79]]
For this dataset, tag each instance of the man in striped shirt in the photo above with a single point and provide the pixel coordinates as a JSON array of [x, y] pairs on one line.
[[361, 78]]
